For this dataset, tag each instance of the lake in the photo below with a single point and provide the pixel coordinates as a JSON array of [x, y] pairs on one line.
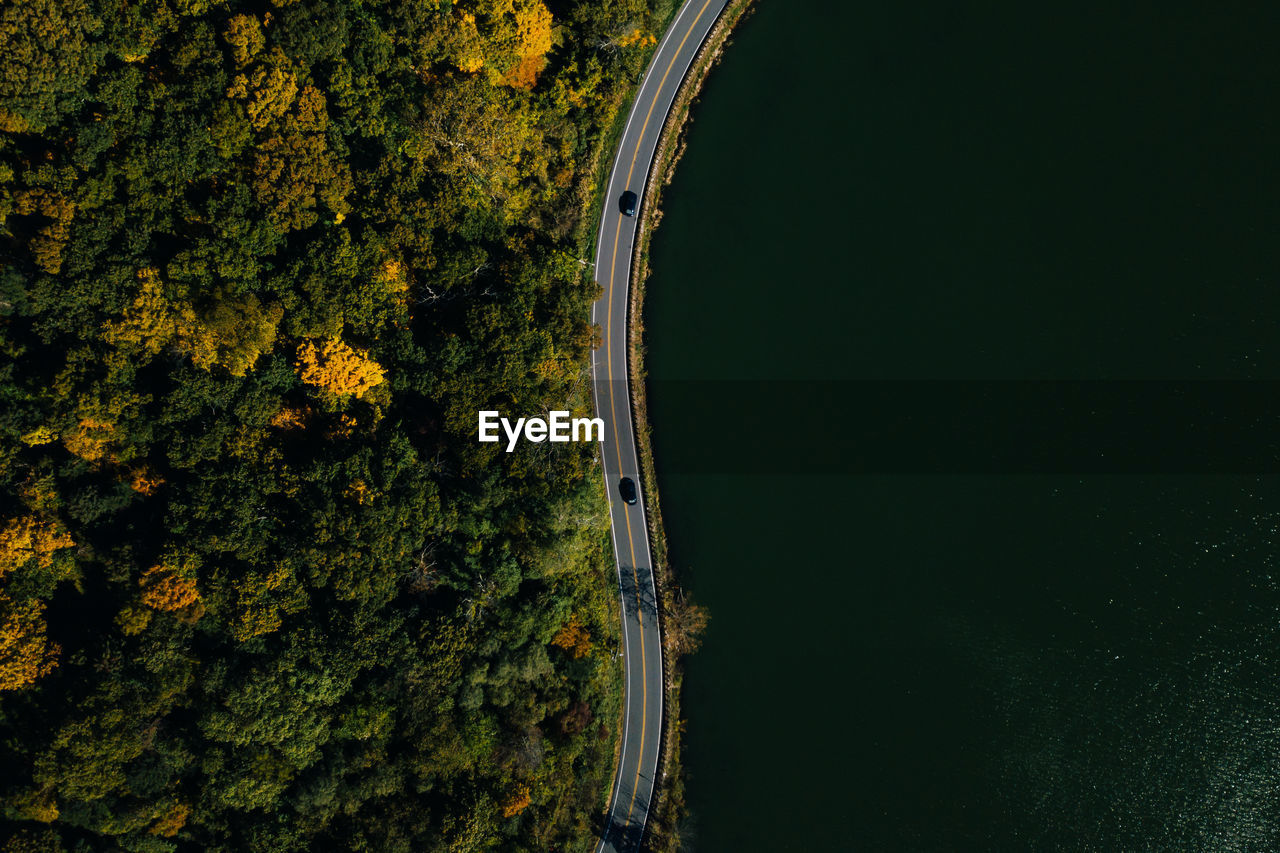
[[900, 228]]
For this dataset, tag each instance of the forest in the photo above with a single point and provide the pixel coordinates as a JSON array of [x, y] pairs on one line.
[[261, 263]]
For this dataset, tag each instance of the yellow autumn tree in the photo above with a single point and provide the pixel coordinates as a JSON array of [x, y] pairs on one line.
[[151, 322], [30, 538], [232, 334], [25, 651], [533, 27], [636, 36], [508, 39], [40, 435], [90, 438], [244, 36], [533, 40], [168, 588], [337, 368], [39, 805], [393, 276], [268, 90], [469, 48], [533, 24], [52, 215], [359, 492]]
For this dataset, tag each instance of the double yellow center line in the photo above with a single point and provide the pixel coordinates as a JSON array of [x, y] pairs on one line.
[[617, 445]]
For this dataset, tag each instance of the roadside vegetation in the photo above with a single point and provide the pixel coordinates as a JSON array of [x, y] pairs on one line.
[[261, 263]]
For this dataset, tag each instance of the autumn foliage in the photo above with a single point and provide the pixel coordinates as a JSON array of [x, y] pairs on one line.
[[290, 417], [517, 802], [171, 822], [260, 588], [509, 39], [25, 539], [165, 588], [25, 651], [232, 334], [90, 438], [337, 368], [244, 36], [51, 214], [573, 638], [145, 482]]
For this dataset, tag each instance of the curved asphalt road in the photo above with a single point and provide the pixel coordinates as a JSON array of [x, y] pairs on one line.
[[642, 645]]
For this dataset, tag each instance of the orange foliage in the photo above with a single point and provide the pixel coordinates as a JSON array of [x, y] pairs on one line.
[[471, 58], [344, 428], [573, 638], [533, 40], [29, 538], [525, 73], [164, 588], [25, 651], [636, 36], [171, 821], [290, 417], [517, 802], [145, 483], [338, 368]]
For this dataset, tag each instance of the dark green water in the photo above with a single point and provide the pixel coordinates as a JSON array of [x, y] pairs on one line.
[[1074, 660]]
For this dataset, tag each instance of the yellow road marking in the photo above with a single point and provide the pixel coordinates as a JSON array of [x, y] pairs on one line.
[[617, 446]]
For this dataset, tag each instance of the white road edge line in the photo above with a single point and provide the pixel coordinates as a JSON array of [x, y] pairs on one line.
[[611, 191]]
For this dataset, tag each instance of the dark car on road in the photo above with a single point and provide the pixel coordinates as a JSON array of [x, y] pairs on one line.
[[627, 204], [627, 488]]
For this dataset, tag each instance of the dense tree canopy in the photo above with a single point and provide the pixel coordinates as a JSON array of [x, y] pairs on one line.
[[262, 263]]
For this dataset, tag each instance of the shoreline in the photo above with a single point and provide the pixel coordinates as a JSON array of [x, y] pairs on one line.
[[663, 835]]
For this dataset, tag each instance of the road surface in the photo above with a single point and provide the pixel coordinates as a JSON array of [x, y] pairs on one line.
[[642, 645]]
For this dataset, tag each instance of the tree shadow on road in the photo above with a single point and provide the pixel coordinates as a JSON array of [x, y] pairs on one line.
[[637, 591], [621, 836]]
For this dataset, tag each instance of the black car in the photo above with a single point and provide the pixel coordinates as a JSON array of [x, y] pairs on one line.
[[627, 204], [627, 488]]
